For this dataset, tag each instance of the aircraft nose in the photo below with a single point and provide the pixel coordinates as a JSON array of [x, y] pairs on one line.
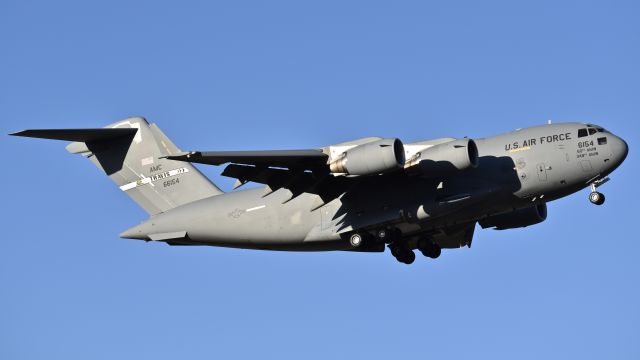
[[619, 149]]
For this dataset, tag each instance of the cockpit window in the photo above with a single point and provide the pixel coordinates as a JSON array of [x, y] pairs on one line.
[[592, 131], [582, 133], [600, 129]]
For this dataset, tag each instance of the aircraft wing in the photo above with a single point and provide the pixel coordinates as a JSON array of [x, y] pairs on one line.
[[331, 170], [299, 171], [298, 159]]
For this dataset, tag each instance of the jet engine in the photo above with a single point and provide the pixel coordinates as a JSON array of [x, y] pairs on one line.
[[371, 158], [445, 159], [516, 219]]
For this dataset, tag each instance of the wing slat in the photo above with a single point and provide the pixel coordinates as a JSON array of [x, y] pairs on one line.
[[306, 159]]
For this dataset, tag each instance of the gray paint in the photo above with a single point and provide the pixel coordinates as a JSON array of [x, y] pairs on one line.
[[515, 170]]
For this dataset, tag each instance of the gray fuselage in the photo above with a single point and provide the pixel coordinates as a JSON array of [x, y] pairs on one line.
[[518, 169]]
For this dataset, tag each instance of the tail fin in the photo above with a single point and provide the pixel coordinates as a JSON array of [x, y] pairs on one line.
[[129, 152]]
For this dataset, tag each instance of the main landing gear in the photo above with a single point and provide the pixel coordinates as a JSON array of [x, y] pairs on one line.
[[596, 197], [401, 248], [402, 253], [429, 248], [397, 246]]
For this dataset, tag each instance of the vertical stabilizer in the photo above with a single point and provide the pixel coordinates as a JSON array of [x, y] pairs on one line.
[[129, 152]]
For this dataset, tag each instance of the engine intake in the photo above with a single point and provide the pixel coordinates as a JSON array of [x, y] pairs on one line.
[[445, 159], [516, 219], [371, 158]]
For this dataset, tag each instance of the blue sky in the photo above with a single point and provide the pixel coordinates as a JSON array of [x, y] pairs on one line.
[[263, 75]]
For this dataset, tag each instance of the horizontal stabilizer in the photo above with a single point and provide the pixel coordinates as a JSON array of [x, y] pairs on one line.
[[129, 151], [80, 135], [144, 232]]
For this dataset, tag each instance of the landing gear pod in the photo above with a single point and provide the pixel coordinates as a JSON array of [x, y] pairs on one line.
[[516, 219]]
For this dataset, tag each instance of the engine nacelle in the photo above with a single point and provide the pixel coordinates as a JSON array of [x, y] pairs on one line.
[[371, 158], [516, 219], [445, 159]]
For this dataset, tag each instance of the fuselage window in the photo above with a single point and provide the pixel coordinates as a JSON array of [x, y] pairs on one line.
[[582, 133]]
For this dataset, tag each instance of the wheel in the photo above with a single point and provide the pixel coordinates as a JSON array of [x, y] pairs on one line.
[[435, 251], [396, 251], [402, 254], [407, 257], [596, 198], [429, 249], [355, 240]]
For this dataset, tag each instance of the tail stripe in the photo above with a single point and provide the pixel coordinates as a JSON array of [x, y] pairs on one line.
[[154, 178]]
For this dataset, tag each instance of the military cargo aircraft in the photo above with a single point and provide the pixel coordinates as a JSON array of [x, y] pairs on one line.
[[363, 195]]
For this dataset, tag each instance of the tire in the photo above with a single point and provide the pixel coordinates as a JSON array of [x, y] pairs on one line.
[[596, 198], [435, 251], [394, 251], [409, 257], [402, 254], [429, 249]]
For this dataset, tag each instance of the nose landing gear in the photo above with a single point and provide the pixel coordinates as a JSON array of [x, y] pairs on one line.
[[596, 197]]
